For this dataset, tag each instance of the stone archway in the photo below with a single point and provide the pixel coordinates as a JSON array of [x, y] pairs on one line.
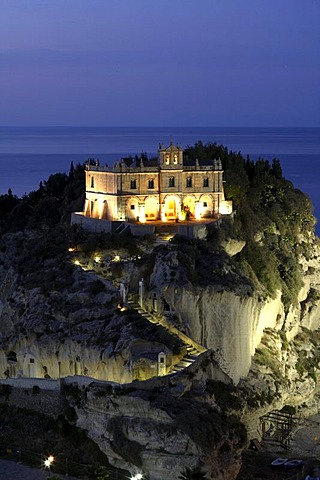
[[12, 363], [188, 206], [171, 208], [206, 206], [151, 208], [104, 210], [132, 208]]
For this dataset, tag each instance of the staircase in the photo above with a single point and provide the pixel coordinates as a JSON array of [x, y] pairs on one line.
[[163, 238], [193, 350]]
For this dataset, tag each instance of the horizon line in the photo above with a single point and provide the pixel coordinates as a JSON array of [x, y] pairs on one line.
[[158, 126]]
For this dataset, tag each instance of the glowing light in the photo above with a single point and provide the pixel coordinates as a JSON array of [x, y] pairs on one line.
[[121, 308], [182, 216], [97, 259], [76, 262], [71, 249], [197, 213], [48, 462], [225, 207], [138, 476], [116, 258]]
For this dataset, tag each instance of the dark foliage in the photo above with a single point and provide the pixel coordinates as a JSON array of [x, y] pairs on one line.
[[271, 215], [46, 207]]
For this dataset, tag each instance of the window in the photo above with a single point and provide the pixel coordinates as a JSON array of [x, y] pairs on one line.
[[205, 204], [171, 182], [167, 159], [132, 207], [151, 183], [206, 182], [175, 159], [92, 182], [189, 182], [31, 360], [133, 184]]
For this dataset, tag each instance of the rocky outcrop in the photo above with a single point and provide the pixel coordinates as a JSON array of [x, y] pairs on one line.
[[158, 428], [282, 373], [231, 318], [231, 325], [64, 320]]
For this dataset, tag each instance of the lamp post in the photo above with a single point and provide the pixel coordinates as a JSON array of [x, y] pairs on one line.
[[48, 462], [137, 476]]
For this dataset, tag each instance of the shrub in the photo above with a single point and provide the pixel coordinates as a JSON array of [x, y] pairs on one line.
[[5, 391], [35, 390]]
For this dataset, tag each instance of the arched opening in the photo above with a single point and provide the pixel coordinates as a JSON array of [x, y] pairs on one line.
[[12, 357], [206, 206], [132, 210], [171, 208], [31, 368], [188, 207], [12, 361], [151, 208]]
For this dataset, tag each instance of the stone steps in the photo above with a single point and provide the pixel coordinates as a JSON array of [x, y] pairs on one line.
[[192, 353]]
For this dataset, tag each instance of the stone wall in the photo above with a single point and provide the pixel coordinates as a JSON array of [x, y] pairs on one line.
[[42, 383], [90, 224], [40, 399]]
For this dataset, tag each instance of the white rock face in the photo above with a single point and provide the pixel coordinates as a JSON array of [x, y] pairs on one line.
[[229, 324], [232, 247], [231, 320]]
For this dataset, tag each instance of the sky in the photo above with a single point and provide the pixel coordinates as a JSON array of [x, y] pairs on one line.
[[160, 62]]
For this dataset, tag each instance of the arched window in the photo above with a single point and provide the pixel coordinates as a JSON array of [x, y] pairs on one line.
[[151, 183], [171, 182], [167, 159], [175, 159], [206, 182], [92, 182], [133, 184], [189, 182]]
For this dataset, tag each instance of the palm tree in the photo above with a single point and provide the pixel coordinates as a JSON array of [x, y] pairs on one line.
[[194, 473]]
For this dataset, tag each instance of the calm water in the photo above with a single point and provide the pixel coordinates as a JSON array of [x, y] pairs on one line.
[[29, 155]]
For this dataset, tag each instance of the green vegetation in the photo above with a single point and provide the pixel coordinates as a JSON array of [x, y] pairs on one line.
[[271, 216], [31, 435], [264, 356], [46, 207], [5, 391], [226, 396]]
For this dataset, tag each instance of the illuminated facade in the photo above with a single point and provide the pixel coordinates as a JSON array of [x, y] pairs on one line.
[[169, 188]]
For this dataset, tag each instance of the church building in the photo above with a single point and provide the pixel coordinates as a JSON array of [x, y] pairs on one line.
[[170, 188]]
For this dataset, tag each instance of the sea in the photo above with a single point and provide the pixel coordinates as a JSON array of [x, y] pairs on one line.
[[29, 155]]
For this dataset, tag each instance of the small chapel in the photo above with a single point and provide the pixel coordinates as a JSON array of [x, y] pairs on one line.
[[171, 188]]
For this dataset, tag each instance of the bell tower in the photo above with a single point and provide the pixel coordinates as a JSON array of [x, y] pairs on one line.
[[170, 158]]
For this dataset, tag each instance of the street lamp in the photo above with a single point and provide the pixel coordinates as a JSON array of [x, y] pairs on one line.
[[48, 462], [138, 476]]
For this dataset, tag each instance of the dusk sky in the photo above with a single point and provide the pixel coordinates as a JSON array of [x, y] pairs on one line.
[[160, 62]]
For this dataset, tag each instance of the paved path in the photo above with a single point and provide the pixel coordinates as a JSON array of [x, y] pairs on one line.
[[15, 471]]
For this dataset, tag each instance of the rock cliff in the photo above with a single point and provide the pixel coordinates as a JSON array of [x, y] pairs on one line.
[[227, 313], [64, 319], [162, 425]]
